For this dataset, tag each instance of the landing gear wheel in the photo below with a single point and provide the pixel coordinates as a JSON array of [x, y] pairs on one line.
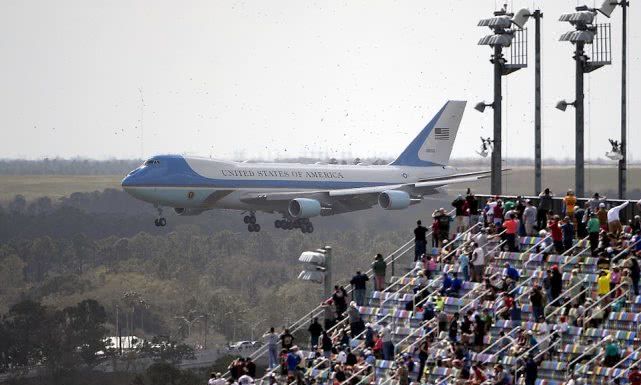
[[246, 219], [253, 227], [156, 222], [310, 228], [162, 222], [277, 224], [252, 219], [256, 227]]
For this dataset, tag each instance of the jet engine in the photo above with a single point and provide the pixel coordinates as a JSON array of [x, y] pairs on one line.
[[304, 208], [394, 200], [183, 212]]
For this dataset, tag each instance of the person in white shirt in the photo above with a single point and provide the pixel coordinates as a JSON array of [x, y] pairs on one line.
[[478, 263], [614, 223], [245, 380]]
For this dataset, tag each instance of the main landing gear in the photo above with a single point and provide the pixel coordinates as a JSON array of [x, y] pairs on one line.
[[250, 220], [303, 224], [160, 221]]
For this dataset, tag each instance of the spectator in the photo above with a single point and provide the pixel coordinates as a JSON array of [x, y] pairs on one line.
[[529, 218], [545, 206], [473, 207], [531, 370], [511, 228], [612, 353], [250, 368], [569, 201], [477, 376], [379, 267], [423, 354], [435, 232], [635, 273], [388, 345], [271, 340], [581, 219], [329, 314], [459, 205], [595, 202], [511, 273], [339, 297], [286, 340], [464, 263], [614, 223], [556, 283], [443, 225], [453, 328], [326, 345], [369, 336], [420, 242], [567, 228], [603, 283], [456, 286], [446, 284], [478, 262], [292, 364], [500, 377], [537, 302], [359, 286], [557, 233], [356, 324], [602, 214], [315, 330], [634, 376], [593, 233], [402, 373]]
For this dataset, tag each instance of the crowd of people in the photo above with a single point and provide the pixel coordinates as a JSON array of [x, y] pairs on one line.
[[346, 347]]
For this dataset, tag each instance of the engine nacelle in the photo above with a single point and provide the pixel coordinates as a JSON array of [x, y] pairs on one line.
[[304, 208], [394, 200], [183, 212]]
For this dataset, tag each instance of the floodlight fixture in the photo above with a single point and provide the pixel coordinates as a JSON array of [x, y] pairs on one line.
[[480, 106], [607, 7], [563, 105]]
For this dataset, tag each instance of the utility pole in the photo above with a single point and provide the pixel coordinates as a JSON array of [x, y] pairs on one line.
[[538, 15], [624, 140], [495, 184], [579, 165]]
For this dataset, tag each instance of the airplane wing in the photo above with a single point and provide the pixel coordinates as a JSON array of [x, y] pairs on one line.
[[352, 199]]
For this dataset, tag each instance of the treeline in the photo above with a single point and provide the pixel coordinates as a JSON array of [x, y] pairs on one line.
[[60, 166]]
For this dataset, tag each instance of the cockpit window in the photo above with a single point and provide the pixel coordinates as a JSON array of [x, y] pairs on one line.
[[152, 162]]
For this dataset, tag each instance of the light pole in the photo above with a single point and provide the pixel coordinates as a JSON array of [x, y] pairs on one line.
[[584, 33], [502, 37]]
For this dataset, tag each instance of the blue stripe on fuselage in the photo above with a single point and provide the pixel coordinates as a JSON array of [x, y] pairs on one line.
[[174, 171]]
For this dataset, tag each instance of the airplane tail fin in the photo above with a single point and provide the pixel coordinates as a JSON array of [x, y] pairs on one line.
[[433, 145]]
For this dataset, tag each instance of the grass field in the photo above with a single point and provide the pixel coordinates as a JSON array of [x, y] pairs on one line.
[[517, 181], [54, 186]]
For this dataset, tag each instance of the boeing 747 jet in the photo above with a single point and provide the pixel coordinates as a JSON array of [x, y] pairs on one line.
[[191, 185]]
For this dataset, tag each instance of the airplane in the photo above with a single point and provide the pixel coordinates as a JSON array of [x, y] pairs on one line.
[[192, 185]]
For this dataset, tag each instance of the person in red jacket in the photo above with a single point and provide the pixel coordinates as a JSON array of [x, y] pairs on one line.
[[557, 233]]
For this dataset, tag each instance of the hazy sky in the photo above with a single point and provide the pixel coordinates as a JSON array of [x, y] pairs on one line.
[[266, 78]]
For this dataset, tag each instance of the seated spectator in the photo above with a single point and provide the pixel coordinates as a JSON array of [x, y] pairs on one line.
[[456, 286], [612, 353], [511, 273], [447, 283]]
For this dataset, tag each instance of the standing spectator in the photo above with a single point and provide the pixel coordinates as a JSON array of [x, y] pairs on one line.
[[329, 314], [379, 267], [511, 228], [635, 273], [567, 228], [423, 354], [556, 283], [443, 225], [545, 206], [536, 300], [359, 286], [453, 328], [435, 232], [557, 233], [340, 300], [603, 283], [326, 345], [464, 263], [593, 233], [402, 373], [315, 330], [569, 201], [459, 205], [388, 346], [271, 340], [478, 262], [531, 370], [529, 218], [286, 340], [420, 242], [612, 353], [356, 324], [602, 214], [595, 202], [250, 367], [614, 223]]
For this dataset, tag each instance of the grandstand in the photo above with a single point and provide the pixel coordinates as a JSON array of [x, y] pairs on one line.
[[587, 334]]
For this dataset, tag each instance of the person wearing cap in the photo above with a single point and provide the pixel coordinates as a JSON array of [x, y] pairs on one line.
[[356, 324], [594, 202], [388, 344], [245, 379]]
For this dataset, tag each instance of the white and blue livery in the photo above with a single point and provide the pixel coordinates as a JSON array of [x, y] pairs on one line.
[[191, 185]]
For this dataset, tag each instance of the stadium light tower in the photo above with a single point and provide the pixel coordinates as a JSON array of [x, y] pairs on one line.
[[584, 33], [606, 9], [508, 32]]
